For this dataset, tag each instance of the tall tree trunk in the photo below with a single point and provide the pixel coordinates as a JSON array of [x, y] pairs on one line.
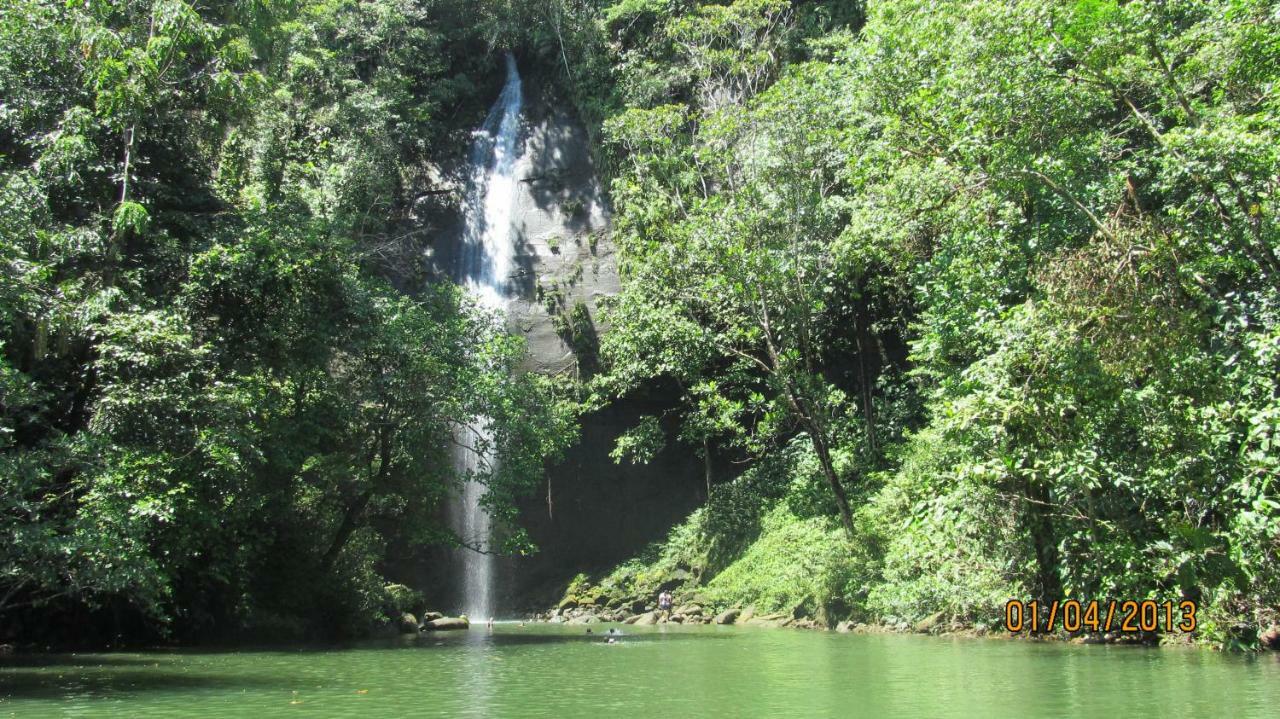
[[350, 521], [866, 346], [351, 518], [706, 465], [820, 448], [807, 417], [128, 159], [1043, 541]]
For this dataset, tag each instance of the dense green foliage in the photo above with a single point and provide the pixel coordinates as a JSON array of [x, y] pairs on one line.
[[985, 295], [1004, 273], [227, 393]]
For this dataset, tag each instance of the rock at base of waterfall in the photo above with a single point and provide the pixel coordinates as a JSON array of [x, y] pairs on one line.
[[446, 623], [728, 616], [428, 616], [407, 624]]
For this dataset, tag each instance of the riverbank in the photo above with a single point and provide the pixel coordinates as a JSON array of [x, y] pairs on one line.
[[753, 559], [691, 614]]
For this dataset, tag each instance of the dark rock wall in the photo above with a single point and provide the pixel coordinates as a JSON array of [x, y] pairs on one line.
[[600, 513]]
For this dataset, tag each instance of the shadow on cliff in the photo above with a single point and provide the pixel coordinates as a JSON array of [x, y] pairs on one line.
[[562, 179]]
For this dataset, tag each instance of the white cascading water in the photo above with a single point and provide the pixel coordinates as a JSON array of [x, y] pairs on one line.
[[484, 267]]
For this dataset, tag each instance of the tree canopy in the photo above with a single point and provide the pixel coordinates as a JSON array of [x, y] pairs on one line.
[[1006, 271]]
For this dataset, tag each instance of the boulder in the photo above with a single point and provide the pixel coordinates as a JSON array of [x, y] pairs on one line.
[[1270, 639], [648, 618], [929, 623], [775, 618], [445, 624], [689, 610], [632, 619], [407, 624], [845, 627], [567, 603], [728, 616], [674, 580], [746, 615]]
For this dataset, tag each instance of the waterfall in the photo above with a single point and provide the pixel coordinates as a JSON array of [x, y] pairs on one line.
[[484, 267]]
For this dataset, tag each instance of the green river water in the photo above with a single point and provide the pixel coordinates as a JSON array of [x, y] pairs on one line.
[[671, 671]]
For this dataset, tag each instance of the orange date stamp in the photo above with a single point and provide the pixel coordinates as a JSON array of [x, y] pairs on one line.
[[1125, 617]]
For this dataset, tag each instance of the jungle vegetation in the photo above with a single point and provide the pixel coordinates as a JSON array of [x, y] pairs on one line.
[[980, 299], [228, 391], [986, 292]]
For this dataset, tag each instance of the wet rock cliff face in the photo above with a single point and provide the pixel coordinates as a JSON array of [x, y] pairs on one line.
[[564, 262], [590, 513]]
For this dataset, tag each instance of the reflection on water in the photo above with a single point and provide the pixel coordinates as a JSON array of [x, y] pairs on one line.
[[548, 671]]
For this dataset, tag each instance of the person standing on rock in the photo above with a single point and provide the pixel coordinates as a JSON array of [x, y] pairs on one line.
[[664, 602]]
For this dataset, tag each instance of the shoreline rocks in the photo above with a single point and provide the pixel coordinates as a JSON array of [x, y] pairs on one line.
[[585, 603], [407, 624], [444, 624], [728, 616], [938, 624]]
